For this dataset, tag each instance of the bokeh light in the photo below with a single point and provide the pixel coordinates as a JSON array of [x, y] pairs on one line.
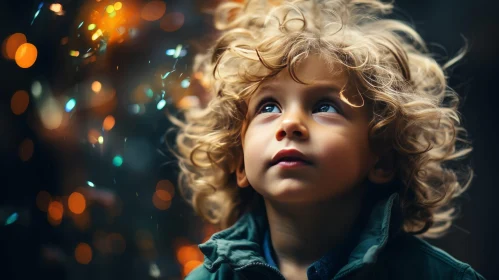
[[153, 10], [26, 55], [36, 89], [12, 43], [77, 203], [191, 265], [26, 149], [83, 253], [110, 9], [91, 26], [172, 21], [51, 113], [19, 102], [56, 8], [43, 199], [100, 140], [70, 105], [159, 203], [55, 212], [96, 86], [118, 6], [108, 123], [167, 186], [118, 161], [117, 242]]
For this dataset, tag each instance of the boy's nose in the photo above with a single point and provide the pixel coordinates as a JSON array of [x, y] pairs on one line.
[[292, 126]]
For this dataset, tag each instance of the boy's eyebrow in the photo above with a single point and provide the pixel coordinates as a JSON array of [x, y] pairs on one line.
[[317, 87]]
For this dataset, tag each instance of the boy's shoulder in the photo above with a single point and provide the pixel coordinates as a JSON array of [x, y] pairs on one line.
[[410, 257]]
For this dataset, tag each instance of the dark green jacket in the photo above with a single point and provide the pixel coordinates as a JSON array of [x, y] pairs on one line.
[[382, 251]]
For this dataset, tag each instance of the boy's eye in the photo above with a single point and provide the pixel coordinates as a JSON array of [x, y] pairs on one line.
[[269, 106], [326, 108]]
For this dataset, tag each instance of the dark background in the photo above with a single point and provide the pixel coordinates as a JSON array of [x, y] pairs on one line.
[[63, 161]]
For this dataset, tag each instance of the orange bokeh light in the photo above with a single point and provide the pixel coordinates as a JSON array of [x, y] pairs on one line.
[[188, 267], [172, 22], [19, 102], [189, 253], [167, 186], [55, 211], [96, 86], [12, 43], [117, 243], [153, 10], [43, 199], [159, 203], [26, 149], [26, 55], [77, 203], [83, 253], [108, 123]]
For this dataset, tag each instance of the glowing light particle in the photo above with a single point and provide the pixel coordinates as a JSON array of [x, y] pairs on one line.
[[149, 93], [172, 21], [11, 219], [134, 108], [35, 16], [26, 55], [108, 123], [83, 253], [177, 51], [56, 8], [113, 14], [161, 104], [101, 140], [81, 24], [90, 184], [117, 161], [51, 113], [96, 86], [19, 102], [70, 105], [77, 203], [91, 26], [185, 83], [74, 53], [26, 149], [118, 6], [36, 89], [153, 10], [110, 9], [97, 34], [12, 44], [170, 52]]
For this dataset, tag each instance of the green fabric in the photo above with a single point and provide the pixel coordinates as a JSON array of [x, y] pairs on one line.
[[383, 251]]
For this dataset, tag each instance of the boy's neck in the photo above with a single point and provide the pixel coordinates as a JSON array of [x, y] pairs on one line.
[[301, 234]]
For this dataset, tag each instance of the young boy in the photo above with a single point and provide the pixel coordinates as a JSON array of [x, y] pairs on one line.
[[321, 154]]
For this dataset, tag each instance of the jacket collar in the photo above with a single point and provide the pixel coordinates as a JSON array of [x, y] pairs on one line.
[[240, 244]]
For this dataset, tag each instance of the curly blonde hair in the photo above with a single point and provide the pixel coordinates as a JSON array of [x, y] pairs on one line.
[[415, 113]]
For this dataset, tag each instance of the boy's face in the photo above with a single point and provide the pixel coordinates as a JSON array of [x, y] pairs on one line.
[[332, 135]]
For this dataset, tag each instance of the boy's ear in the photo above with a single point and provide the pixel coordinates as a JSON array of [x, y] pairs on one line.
[[384, 169], [242, 180]]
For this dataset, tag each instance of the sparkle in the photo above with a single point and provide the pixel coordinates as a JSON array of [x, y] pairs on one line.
[[79, 26], [117, 161], [91, 26], [70, 105], [185, 83], [90, 184], [11, 219], [161, 104], [100, 139]]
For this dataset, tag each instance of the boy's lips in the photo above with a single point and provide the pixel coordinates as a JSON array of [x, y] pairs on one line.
[[289, 155]]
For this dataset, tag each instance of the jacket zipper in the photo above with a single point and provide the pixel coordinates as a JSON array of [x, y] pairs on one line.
[[264, 265]]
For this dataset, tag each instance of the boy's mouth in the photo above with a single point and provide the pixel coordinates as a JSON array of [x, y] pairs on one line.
[[289, 156]]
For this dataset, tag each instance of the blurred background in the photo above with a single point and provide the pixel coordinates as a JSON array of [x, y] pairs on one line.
[[88, 186]]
